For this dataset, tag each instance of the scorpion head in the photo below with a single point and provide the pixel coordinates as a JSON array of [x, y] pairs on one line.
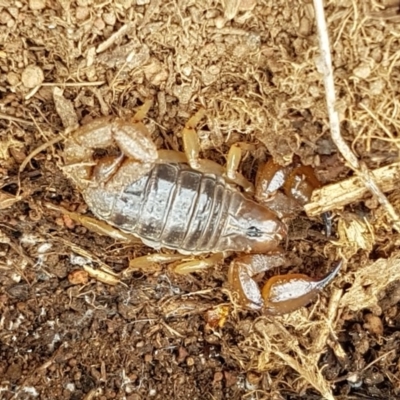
[[254, 228]]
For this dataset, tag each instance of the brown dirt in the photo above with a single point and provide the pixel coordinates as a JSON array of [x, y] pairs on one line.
[[252, 65]]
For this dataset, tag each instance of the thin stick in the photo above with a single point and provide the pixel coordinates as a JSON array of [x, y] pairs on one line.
[[15, 119], [73, 84], [359, 168], [114, 37]]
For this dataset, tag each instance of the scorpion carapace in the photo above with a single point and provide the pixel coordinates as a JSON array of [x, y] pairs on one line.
[[181, 202]]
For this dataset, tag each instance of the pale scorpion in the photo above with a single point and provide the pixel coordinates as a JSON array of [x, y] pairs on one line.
[[178, 201]]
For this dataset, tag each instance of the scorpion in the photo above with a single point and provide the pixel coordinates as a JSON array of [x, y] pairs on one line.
[[178, 201]]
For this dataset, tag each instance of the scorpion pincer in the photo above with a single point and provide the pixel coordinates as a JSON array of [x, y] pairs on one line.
[[179, 201]]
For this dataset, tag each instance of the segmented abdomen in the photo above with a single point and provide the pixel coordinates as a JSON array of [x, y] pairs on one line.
[[174, 207]]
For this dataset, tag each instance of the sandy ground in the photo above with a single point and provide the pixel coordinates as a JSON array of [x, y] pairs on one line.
[[253, 65]]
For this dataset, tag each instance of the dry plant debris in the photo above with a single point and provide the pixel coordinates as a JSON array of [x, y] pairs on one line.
[[360, 168], [253, 65], [367, 285]]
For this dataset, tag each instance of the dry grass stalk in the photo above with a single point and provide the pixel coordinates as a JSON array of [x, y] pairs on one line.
[[15, 119], [327, 327], [281, 342], [315, 378], [276, 340]]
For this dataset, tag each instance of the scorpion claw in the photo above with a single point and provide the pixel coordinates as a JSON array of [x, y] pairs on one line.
[[245, 288], [286, 293], [281, 294], [243, 269]]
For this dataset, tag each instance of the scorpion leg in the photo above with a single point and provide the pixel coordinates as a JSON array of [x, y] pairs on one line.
[[191, 142], [151, 262], [191, 147], [171, 156], [131, 135], [95, 225], [281, 294], [199, 264], [182, 268], [234, 157]]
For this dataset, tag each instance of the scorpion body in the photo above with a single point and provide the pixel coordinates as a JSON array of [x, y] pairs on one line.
[[176, 207]]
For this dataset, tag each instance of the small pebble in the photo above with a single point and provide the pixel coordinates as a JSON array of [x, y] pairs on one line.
[[82, 13], [182, 354], [134, 397], [14, 12], [373, 324], [363, 71], [253, 378], [99, 24], [13, 78], [78, 277], [5, 18], [32, 76], [72, 362], [230, 379], [37, 4], [109, 18], [190, 361], [218, 376]]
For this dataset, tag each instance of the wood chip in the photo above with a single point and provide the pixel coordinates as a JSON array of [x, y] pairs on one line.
[[351, 190]]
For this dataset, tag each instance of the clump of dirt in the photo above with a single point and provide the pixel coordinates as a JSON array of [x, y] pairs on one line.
[[69, 332]]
